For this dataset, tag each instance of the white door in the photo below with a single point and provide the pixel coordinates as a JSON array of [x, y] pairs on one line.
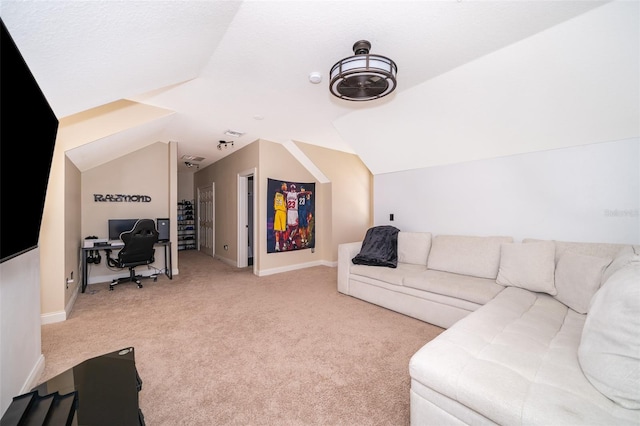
[[206, 219]]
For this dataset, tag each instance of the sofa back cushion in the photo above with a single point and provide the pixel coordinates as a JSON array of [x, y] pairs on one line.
[[625, 256], [604, 250], [529, 266], [577, 279], [414, 247], [581, 268], [466, 255], [609, 351]]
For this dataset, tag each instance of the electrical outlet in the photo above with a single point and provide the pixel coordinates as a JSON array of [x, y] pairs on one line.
[[69, 280], [226, 246]]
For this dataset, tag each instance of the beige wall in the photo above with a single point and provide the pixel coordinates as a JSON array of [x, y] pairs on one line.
[[351, 203], [142, 172], [343, 206], [224, 173], [72, 235], [185, 186], [277, 163], [52, 240], [61, 230]]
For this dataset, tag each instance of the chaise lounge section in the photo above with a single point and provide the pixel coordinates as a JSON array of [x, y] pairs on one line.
[[538, 332]]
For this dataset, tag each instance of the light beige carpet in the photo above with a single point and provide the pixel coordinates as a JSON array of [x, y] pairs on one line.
[[221, 346]]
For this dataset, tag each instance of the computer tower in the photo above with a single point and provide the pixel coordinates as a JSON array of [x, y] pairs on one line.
[[163, 229]]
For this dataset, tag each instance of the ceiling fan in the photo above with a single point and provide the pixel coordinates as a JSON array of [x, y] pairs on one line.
[[363, 77]]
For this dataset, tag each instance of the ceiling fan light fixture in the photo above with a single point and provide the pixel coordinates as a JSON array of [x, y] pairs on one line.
[[363, 77]]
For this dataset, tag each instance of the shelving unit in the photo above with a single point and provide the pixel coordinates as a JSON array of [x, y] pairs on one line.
[[186, 225]]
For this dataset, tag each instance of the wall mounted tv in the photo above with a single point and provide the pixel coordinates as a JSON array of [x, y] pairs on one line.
[[118, 226], [27, 136]]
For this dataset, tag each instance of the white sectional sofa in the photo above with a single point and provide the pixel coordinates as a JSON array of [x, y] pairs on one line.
[[538, 332]]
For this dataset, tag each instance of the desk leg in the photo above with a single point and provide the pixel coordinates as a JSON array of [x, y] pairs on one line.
[[168, 270], [84, 270]]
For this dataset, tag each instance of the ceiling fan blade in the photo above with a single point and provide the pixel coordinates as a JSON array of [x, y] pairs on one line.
[[360, 86]]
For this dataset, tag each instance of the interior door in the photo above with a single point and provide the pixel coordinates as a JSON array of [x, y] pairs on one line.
[[206, 219]]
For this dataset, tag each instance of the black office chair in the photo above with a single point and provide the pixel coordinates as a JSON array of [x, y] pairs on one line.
[[138, 250]]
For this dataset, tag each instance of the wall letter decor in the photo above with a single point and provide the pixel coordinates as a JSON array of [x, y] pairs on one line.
[[120, 198]]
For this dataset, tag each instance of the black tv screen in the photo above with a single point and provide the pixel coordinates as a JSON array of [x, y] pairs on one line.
[[27, 138], [118, 226]]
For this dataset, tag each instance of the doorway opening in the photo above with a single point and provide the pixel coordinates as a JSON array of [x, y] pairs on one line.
[[247, 253]]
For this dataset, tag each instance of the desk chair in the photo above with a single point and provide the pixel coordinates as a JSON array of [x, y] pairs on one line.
[[138, 250]]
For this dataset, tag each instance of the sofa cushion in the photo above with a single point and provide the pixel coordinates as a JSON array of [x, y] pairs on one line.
[[607, 250], [529, 266], [394, 276], [413, 247], [625, 256], [609, 351], [513, 361], [465, 287], [466, 255], [577, 279]]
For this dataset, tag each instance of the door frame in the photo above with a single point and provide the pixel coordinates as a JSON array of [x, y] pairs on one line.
[[243, 219]]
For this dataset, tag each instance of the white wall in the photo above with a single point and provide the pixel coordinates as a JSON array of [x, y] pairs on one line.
[[21, 359], [587, 193]]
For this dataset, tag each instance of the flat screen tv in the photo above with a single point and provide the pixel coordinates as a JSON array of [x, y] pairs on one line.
[[118, 226], [27, 138]]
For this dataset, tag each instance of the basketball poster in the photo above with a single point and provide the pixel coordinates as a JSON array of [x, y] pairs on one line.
[[290, 215]]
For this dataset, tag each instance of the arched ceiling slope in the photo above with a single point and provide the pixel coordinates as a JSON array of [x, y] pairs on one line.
[[473, 77]]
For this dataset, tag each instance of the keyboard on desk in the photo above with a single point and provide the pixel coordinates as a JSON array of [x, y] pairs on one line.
[[116, 243]]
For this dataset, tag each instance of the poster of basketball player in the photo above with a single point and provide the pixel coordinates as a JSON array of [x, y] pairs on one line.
[[290, 215]]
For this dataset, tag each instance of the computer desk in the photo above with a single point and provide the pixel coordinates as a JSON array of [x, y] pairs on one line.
[[168, 265]]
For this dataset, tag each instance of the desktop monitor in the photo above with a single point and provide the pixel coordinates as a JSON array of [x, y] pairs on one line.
[[118, 226]]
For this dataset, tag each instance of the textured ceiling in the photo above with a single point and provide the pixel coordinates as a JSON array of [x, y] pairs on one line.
[[244, 65]]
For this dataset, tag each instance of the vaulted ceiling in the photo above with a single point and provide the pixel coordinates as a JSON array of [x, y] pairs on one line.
[[223, 65]]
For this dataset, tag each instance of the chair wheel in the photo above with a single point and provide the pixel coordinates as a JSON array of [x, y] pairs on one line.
[[139, 285], [110, 288]]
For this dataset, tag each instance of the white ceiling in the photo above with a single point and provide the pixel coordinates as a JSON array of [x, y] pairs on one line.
[[244, 65]]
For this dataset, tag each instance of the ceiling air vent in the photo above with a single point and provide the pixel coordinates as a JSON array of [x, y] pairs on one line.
[[192, 158], [233, 133]]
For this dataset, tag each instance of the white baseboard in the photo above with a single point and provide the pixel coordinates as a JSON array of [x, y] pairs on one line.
[[53, 317], [72, 300], [272, 271], [226, 260], [34, 376], [295, 267]]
